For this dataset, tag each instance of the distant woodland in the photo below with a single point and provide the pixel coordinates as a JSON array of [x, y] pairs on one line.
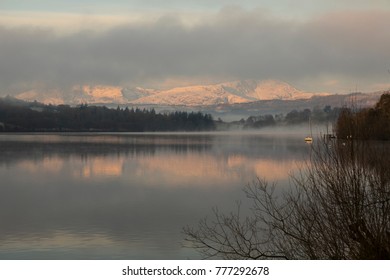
[[327, 114], [16, 115]]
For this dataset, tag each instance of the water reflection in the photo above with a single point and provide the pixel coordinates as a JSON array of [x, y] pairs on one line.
[[125, 196]]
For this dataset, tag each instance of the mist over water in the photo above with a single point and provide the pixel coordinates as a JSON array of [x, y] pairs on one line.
[[127, 196]]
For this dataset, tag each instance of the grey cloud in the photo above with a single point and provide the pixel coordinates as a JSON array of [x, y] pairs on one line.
[[234, 44]]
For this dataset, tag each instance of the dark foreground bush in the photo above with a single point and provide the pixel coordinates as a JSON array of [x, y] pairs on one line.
[[338, 207]]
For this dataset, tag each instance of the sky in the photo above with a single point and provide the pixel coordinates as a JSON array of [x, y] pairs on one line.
[[335, 46]]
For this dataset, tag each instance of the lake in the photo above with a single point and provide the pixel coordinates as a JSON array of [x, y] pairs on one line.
[[127, 195]]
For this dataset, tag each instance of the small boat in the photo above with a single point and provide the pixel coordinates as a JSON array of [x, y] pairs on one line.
[[308, 139]]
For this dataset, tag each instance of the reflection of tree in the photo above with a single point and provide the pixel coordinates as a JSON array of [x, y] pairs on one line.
[[337, 208]]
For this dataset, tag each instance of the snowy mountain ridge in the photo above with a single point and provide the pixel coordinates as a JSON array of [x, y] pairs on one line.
[[244, 91]]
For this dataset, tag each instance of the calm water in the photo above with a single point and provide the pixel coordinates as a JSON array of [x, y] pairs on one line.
[[126, 196]]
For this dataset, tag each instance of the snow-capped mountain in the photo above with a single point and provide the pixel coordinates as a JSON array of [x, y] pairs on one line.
[[201, 95], [224, 93]]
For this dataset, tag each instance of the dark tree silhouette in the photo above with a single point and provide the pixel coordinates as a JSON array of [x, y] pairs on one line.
[[372, 123], [22, 116]]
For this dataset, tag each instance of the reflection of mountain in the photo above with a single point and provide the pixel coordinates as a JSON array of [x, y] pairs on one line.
[[49, 148], [102, 167], [160, 167], [269, 169], [168, 160], [86, 196]]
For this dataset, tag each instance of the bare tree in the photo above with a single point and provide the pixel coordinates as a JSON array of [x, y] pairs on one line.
[[338, 207]]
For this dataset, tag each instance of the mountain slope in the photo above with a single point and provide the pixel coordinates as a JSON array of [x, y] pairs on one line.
[[200, 95], [225, 93]]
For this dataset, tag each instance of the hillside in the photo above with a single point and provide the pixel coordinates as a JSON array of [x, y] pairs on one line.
[[236, 92], [225, 93]]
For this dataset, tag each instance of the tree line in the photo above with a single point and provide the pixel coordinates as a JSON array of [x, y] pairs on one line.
[[366, 124], [29, 117], [327, 114], [349, 121]]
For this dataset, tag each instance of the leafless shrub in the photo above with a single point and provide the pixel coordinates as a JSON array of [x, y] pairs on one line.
[[338, 207]]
